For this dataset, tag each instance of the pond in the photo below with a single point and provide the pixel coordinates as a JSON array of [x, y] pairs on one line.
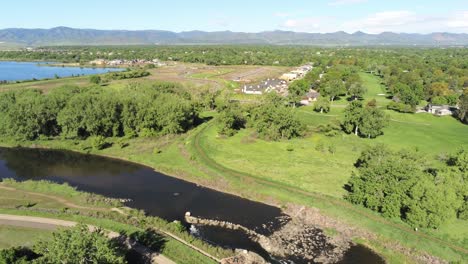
[[155, 193], [20, 71]]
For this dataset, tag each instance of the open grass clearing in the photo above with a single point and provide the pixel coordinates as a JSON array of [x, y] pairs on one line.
[[15, 236]]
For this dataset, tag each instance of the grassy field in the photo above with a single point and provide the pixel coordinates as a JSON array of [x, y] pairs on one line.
[[12, 236], [375, 89], [46, 85]]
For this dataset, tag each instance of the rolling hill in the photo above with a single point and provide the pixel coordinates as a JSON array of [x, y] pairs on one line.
[[73, 36]]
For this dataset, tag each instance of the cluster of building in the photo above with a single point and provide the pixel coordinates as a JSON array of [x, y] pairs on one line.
[[278, 85], [269, 85], [297, 73], [118, 62]]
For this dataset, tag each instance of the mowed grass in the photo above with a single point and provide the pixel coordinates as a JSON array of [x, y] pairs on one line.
[[13, 236], [374, 87], [309, 164], [305, 166], [13, 199]]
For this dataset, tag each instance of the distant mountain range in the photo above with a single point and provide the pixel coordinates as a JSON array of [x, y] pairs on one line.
[[71, 36]]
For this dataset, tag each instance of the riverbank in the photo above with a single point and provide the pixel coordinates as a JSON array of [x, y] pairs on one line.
[[60, 201], [183, 157]]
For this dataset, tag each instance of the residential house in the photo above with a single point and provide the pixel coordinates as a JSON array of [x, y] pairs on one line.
[[310, 97], [289, 76], [99, 62], [440, 110]]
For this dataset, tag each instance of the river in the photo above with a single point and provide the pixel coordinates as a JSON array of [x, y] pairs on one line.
[[155, 193], [20, 71]]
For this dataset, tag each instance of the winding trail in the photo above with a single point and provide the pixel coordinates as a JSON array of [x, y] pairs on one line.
[[53, 224], [340, 203]]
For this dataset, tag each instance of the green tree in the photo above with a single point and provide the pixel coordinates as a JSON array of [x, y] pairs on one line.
[[322, 105], [357, 90], [364, 121], [79, 245], [276, 122], [406, 94], [353, 117], [402, 185], [297, 90], [95, 79], [374, 121], [463, 108], [231, 120], [333, 89]]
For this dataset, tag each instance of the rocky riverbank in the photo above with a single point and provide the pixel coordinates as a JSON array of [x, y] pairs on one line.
[[295, 241], [303, 243]]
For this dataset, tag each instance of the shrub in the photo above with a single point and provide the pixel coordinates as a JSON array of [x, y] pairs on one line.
[[98, 142]]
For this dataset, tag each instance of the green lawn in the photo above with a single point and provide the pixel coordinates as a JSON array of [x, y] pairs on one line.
[[12, 236], [374, 88]]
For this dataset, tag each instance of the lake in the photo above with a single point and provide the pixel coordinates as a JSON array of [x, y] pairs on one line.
[[20, 71], [157, 194]]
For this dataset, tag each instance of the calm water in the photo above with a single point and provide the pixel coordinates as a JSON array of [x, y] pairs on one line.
[[157, 194], [18, 71]]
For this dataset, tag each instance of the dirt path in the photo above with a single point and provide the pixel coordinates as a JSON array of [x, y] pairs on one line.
[[118, 210], [52, 224]]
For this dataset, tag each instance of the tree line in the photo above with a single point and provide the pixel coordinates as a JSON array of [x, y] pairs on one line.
[[271, 119], [72, 112]]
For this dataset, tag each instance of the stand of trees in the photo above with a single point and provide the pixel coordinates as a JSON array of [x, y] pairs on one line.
[[272, 119], [400, 184], [463, 111], [367, 121], [72, 112]]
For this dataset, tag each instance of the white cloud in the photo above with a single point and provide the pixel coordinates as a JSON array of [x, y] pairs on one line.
[[345, 2], [398, 21], [459, 20], [382, 21], [304, 24]]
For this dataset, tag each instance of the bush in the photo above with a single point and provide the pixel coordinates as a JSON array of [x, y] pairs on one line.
[[95, 79], [401, 107], [98, 142], [156, 150]]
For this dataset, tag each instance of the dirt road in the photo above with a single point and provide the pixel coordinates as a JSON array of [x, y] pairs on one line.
[[53, 224]]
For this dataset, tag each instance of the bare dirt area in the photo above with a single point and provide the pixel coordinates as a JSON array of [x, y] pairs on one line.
[[254, 73], [214, 76], [181, 73]]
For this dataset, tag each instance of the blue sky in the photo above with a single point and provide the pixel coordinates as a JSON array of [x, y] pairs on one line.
[[371, 16]]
